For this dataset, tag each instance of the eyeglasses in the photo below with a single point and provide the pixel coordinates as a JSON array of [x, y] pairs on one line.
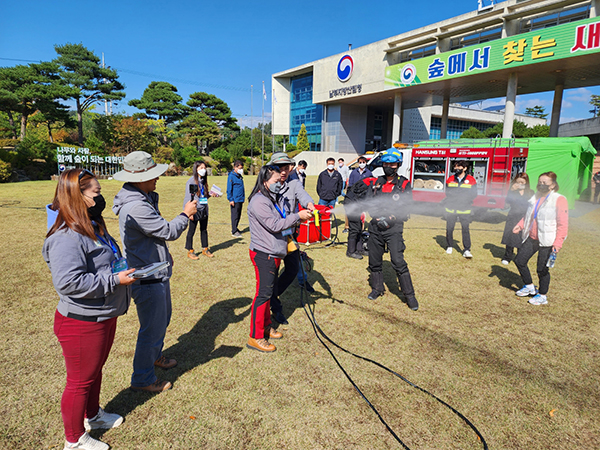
[[85, 172]]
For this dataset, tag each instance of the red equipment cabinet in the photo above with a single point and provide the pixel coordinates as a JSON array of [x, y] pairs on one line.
[[492, 166]]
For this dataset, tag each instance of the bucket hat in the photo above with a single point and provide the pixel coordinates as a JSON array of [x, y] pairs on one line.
[[139, 167], [281, 158]]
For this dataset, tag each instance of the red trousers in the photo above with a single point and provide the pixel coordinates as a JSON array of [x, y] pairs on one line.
[[267, 269], [85, 346]]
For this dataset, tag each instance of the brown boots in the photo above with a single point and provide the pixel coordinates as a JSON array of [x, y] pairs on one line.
[[192, 254], [263, 345], [205, 252]]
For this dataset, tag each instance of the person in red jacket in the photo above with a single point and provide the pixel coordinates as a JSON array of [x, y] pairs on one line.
[[461, 190]]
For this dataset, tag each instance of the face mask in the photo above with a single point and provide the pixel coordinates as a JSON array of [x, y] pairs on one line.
[[362, 165], [240, 171], [330, 167], [300, 170], [341, 165], [389, 171], [201, 172], [543, 188], [458, 172], [520, 187], [275, 187], [99, 205]]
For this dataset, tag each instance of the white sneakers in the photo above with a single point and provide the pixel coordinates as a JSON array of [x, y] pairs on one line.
[[467, 254], [86, 442], [528, 289], [449, 250], [538, 299], [103, 420]]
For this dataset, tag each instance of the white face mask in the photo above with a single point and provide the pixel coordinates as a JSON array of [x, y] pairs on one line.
[[362, 165], [300, 170], [341, 165], [330, 167], [240, 171], [201, 172]]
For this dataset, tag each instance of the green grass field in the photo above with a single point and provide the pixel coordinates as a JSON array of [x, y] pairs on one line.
[[526, 376]]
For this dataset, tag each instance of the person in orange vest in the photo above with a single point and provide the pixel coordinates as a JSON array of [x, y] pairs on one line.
[[461, 190]]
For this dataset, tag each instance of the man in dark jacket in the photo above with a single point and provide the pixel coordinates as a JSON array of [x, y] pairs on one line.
[[354, 210], [329, 184], [461, 190], [299, 173], [236, 196]]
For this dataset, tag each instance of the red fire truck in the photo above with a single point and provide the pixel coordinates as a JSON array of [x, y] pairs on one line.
[[493, 163]]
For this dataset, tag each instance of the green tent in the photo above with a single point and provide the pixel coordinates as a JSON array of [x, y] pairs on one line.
[[571, 158]]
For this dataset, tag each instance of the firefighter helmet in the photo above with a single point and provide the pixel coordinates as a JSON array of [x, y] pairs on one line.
[[391, 156]]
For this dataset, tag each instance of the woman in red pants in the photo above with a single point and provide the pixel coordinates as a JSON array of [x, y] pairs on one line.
[[270, 231], [92, 281]]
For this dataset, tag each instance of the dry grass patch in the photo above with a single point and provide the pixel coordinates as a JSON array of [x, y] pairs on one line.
[[503, 363]]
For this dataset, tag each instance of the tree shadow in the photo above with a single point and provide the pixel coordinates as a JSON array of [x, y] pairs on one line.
[[495, 250], [194, 348], [488, 216], [506, 278]]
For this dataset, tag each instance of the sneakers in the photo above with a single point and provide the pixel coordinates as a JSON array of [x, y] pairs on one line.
[[345, 230], [467, 254], [526, 291], [449, 250], [237, 234], [86, 442], [205, 252], [102, 420], [192, 255], [354, 255], [506, 262], [261, 345], [165, 363], [157, 387], [538, 299]]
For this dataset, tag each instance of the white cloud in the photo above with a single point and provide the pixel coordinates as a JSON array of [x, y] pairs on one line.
[[566, 104], [579, 95]]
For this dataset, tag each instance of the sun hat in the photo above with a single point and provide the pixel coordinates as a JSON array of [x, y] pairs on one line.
[[139, 167], [281, 158]]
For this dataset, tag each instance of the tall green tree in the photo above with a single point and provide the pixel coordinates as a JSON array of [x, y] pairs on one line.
[[89, 82], [26, 88], [302, 145], [52, 113], [216, 109], [595, 102], [536, 111], [160, 99], [200, 128]]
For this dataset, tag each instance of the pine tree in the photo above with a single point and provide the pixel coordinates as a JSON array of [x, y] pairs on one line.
[[302, 144]]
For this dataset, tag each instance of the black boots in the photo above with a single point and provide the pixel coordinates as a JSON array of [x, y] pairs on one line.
[[407, 289], [351, 252], [377, 285]]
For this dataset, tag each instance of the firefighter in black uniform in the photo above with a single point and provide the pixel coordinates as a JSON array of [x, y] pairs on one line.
[[389, 201]]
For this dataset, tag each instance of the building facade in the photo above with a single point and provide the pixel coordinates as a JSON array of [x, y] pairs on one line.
[[402, 88]]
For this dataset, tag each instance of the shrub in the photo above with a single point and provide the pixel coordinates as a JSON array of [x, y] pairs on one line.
[[5, 171], [222, 157], [9, 143]]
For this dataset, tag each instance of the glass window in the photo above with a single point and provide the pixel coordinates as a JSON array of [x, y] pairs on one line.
[[553, 19], [304, 111], [455, 127]]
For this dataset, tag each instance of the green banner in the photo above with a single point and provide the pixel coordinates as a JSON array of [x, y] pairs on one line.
[[559, 42]]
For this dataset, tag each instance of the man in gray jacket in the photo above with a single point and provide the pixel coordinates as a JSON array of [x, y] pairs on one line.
[[144, 233]]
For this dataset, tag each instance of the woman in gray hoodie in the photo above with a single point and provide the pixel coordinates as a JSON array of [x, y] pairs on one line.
[[270, 233], [92, 281]]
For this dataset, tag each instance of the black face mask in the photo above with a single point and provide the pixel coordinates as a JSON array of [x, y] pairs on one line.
[[389, 171], [99, 205], [543, 188], [458, 172]]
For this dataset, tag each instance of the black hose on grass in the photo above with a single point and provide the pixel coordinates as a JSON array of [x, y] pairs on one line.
[[318, 330]]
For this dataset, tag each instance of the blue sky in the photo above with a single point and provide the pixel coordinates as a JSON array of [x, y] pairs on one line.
[[224, 47]]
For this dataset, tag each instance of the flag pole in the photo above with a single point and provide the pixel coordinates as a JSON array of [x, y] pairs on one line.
[[263, 124], [272, 110], [251, 134]]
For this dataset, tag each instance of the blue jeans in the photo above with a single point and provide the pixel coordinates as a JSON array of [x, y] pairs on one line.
[[153, 304], [327, 202]]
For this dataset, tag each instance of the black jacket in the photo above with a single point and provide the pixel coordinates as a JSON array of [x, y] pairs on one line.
[[397, 202], [329, 187]]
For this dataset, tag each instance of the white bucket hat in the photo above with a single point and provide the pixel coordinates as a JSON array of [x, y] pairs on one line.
[[139, 167]]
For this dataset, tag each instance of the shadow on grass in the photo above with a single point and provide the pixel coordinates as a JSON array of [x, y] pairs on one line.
[[226, 244], [194, 348], [507, 279], [441, 241], [495, 250]]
